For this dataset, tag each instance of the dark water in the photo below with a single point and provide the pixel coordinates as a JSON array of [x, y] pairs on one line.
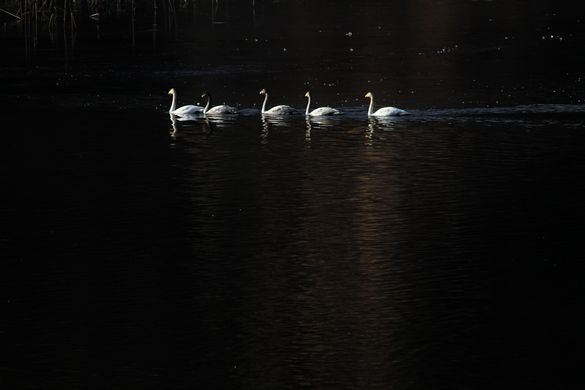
[[441, 250]]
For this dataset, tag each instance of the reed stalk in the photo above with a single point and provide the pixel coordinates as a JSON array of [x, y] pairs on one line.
[[64, 21], [65, 49], [154, 25], [133, 15]]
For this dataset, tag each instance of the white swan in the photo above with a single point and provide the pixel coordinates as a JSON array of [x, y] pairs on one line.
[[276, 110], [321, 110], [217, 110], [384, 111], [184, 110]]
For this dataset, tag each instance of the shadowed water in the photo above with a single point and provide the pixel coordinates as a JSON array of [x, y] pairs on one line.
[[440, 250], [297, 253]]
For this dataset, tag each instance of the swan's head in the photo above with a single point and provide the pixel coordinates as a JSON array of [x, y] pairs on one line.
[[369, 95], [308, 94], [171, 91], [205, 94], [263, 92]]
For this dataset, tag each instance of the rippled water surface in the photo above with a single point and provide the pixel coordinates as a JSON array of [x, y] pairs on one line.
[[297, 254], [440, 250]]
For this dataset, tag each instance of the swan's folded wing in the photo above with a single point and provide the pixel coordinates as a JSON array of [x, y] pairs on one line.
[[223, 109], [281, 110], [390, 111], [325, 111], [188, 110]]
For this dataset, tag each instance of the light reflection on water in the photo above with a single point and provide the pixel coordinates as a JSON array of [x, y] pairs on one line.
[[299, 252], [367, 251]]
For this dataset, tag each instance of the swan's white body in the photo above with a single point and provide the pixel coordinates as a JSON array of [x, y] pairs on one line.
[[183, 110], [187, 110], [217, 110], [384, 111], [321, 111], [282, 109], [221, 110]]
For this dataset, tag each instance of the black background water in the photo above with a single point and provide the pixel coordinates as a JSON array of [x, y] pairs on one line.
[[441, 250]]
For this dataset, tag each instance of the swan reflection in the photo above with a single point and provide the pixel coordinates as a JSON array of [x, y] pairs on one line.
[[383, 123], [314, 122], [189, 118], [322, 121], [173, 129], [209, 125], [379, 124], [271, 122], [276, 120], [308, 131], [220, 121], [181, 122], [265, 129], [369, 135]]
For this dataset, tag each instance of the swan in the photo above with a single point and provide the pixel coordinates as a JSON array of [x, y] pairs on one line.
[[321, 110], [384, 111], [184, 110], [276, 110], [217, 110]]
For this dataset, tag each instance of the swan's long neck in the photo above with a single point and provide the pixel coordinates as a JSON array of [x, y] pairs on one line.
[[207, 105], [371, 109], [174, 103], [264, 104], [308, 105]]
